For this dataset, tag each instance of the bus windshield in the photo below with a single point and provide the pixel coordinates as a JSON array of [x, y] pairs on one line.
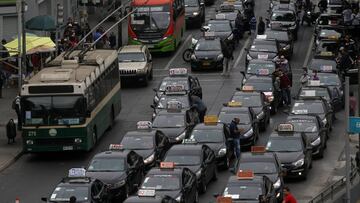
[[151, 18], [54, 110]]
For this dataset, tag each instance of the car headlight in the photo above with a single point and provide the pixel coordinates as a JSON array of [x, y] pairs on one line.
[[193, 57], [249, 133], [260, 115], [308, 12], [198, 173], [324, 121], [277, 183], [248, 57], [118, 184], [195, 13], [316, 142], [299, 162], [220, 57], [150, 159], [287, 47], [222, 151], [178, 198], [181, 136]]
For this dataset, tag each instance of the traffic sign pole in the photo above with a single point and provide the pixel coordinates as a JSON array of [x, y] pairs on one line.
[[347, 144]]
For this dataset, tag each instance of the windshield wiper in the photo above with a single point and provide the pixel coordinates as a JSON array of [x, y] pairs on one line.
[[157, 27]]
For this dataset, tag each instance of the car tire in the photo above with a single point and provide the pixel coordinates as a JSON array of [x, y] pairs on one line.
[[226, 164], [187, 54], [203, 187]]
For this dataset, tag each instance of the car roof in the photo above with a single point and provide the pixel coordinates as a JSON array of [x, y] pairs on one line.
[[186, 149], [254, 78], [286, 135], [140, 133], [257, 157], [159, 171], [202, 126], [235, 109], [264, 42], [131, 48], [240, 93], [112, 154], [181, 78]]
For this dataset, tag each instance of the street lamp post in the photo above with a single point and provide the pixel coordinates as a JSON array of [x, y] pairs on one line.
[[23, 36], [19, 9]]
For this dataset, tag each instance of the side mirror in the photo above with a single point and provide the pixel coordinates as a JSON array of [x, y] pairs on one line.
[[44, 199], [243, 73], [152, 106], [154, 89]]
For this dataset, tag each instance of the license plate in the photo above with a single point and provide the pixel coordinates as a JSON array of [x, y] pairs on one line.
[[206, 63], [68, 148]]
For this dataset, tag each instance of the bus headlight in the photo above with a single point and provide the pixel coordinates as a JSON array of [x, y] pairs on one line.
[[222, 151], [29, 142], [150, 159], [181, 136], [249, 133], [277, 183], [78, 140], [316, 142]]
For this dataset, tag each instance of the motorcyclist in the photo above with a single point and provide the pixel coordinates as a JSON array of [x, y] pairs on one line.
[[322, 5], [308, 14]]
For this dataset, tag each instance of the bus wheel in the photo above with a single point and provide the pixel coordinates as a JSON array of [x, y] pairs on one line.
[[94, 136]]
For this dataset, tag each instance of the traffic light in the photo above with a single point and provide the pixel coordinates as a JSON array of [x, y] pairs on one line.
[[60, 14]]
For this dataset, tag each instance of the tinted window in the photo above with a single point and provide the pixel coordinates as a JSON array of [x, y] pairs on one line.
[[258, 68], [315, 92], [263, 48], [308, 107], [137, 142], [132, 57], [259, 167], [248, 101], [304, 126], [220, 27], [165, 99], [64, 193], [107, 164], [284, 145], [187, 160], [208, 45], [161, 182], [282, 16], [227, 117], [264, 86], [243, 192], [191, 3], [207, 136], [163, 121]]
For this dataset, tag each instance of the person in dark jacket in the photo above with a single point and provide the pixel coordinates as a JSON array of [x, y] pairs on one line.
[[285, 86], [11, 131], [235, 135], [200, 107], [112, 40], [253, 27], [192, 116], [17, 107], [228, 55], [239, 27], [261, 26]]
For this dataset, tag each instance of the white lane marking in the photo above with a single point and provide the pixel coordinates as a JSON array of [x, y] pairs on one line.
[[177, 52], [246, 44], [308, 53]]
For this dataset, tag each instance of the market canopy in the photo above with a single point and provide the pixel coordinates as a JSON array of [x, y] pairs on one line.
[[41, 23], [33, 45]]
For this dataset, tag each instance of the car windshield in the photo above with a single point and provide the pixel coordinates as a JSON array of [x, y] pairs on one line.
[[227, 117], [308, 107], [263, 48], [207, 136], [248, 100], [54, 110], [260, 85], [137, 142], [219, 27], [329, 79], [315, 92], [283, 16], [150, 18], [284, 145], [131, 57], [323, 65], [161, 182], [208, 45], [178, 81], [259, 167], [281, 36], [107, 164], [191, 3], [304, 125], [260, 68], [169, 121], [63, 194], [243, 192], [184, 99], [228, 15], [183, 160]]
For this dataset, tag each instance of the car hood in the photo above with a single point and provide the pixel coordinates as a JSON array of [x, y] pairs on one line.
[[289, 157], [215, 146], [207, 54], [262, 55], [132, 65], [172, 193], [107, 177], [171, 132]]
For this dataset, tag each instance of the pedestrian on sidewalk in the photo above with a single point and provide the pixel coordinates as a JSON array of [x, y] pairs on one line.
[[11, 131], [289, 198], [261, 26], [2, 81], [16, 105], [352, 104]]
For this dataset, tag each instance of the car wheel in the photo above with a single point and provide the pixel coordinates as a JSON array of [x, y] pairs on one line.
[[203, 186]]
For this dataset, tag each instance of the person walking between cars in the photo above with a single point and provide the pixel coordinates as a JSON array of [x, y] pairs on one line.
[[252, 24], [16, 105], [200, 107], [285, 86], [227, 52], [239, 27], [235, 135], [261, 26], [192, 116], [304, 77], [11, 131], [277, 89], [289, 198]]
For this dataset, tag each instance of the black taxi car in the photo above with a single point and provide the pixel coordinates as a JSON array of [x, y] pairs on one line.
[[257, 101], [199, 158], [227, 12], [293, 149], [148, 143], [172, 122], [121, 170], [283, 37], [221, 28], [248, 122], [246, 187], [216, 136], [194, 12], [313, 129], [207, 54], [179, 76], [85, 189], [284, 19], [178, 183], [331, 80], [263, 50], [150, 197], [263, 163]]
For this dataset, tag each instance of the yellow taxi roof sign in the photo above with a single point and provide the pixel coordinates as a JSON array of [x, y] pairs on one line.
[[222, 199], [167, 165], [285, 127], [247, 88], [258, 149], [234, 104], [245, 175], [210, 120]]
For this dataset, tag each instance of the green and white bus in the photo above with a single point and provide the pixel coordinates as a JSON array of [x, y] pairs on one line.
[[70, 104]]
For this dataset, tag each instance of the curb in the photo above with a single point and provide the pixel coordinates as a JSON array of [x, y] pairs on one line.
[[11, 161]]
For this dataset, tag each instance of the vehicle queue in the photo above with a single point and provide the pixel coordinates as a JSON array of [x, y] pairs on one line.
[[171, 159]]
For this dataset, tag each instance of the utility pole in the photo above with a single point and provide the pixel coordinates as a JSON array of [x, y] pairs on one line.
[[19, 9], [347, 142], [59, 22], [118, 4], [23, 36]]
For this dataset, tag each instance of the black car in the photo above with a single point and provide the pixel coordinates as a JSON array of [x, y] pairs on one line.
[[327, 34], [207, 54], [194, 12], [150, 144], [179, 76], [150, 198], [178, 183], [257, 101], [284, 38], [220, 28], [263, 164], [326, 49], [263, 50], [312, 127], [315, 106], [293, 149], [245, 187], [121, 170], [169, 97], [200, 159], [259, 67], [227, 12], [264, 84], [216, 136], [322, 65], [248, 122], [85, 189], [327, 93], [284, 19], [331, 80]]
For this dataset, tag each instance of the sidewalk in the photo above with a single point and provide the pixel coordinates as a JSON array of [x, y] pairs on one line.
[[8, 153]]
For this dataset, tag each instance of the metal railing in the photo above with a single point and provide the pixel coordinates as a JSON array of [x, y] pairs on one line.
[[333, 189]]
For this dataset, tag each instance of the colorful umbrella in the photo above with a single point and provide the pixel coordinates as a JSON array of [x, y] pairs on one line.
[[32, 43]]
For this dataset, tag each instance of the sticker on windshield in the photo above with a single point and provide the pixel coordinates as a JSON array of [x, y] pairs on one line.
[[310, 93], [263, 71], [326, 68], [263, 56], [301, 111]]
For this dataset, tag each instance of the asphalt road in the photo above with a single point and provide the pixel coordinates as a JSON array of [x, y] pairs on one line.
[[35, 176]]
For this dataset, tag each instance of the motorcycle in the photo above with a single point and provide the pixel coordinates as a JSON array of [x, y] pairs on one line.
[[309, 16], [189, 51]]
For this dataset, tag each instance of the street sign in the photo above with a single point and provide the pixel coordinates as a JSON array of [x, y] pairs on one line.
[[354, 125]]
